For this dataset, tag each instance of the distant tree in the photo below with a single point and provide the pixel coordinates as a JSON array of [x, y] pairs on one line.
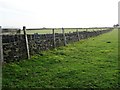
[[116, 25]]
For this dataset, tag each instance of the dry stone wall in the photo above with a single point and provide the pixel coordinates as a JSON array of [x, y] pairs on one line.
[[14, 48]]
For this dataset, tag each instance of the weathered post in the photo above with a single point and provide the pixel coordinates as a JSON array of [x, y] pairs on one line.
[[1, 46], [54, 43], [64, 37], [78, 35], [86, 32], [1, 57], [26, 42], [93, 29]]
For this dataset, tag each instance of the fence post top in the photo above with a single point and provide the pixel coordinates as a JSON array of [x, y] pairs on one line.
[[24, 27]]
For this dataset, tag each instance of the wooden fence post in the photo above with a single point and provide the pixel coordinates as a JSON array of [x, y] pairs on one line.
[[54, 44], [26, 42], [1, 57], [86, 32], [1, 46], [64, 37], [78, 35]]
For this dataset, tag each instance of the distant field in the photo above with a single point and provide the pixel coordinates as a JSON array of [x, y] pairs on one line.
[[49, 31], [90, 63]]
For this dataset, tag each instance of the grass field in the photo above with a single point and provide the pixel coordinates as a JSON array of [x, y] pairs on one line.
[[90, 63], [57, 30]]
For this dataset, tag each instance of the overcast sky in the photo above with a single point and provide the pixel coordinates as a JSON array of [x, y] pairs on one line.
[[58, 13]]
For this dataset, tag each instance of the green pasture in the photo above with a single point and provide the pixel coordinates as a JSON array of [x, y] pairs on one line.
[[57, 30], [89, 63]]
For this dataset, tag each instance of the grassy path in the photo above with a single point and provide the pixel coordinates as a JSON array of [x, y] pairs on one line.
[[90, 63]]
